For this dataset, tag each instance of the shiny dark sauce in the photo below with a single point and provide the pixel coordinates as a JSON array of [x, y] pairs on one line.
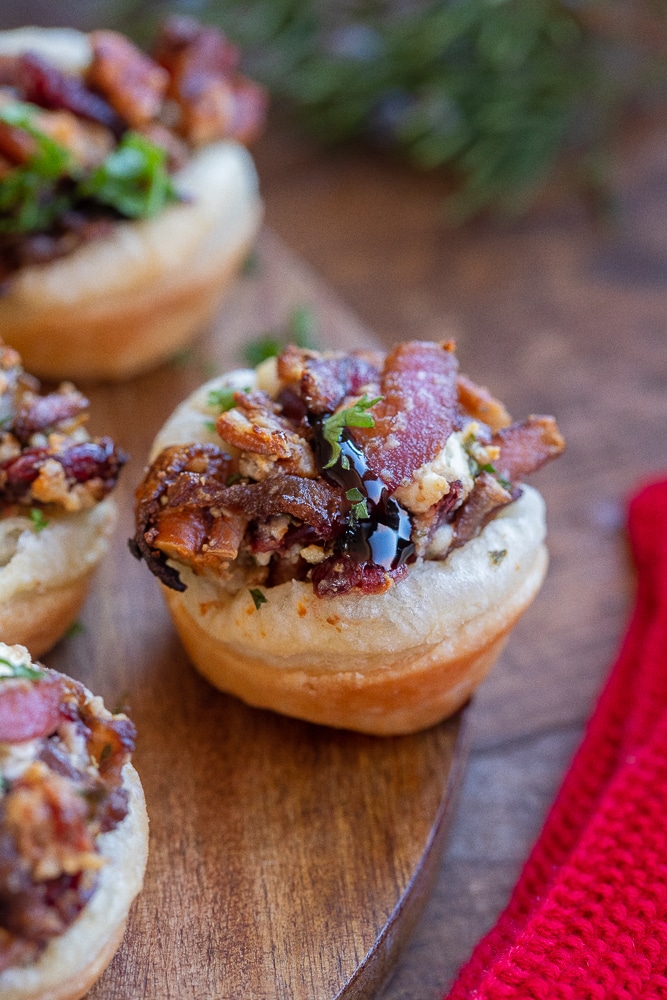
[[383, 537]]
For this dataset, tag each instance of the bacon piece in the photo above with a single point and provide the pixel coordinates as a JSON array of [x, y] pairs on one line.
[[50, 412], [484, 500], [291, 363], [172, 494], [47, 818], [29, 709], [182, 40], [215, 102], [478, 403], [43, 84], [133, 83], [254, 426], [311, 501], [250, 102], [418, 412], [526, 446], [89, 143], [8, 70], [341, 573], [327, 381], [16, 146]]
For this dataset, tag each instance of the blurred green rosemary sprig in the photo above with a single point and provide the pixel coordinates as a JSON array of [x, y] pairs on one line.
[[495, 91]]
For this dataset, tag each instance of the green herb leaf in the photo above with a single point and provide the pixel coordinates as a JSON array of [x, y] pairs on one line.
[[39, 522], [359, 502], [497, 556], [76, 628], [10, 670], [258, 597], [223, 399], [133, 179], [352, 416], [29, 199], [487, 467]]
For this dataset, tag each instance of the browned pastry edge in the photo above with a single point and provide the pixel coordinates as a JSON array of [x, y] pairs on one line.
[[121, 337], [38, 620], [411, 690]]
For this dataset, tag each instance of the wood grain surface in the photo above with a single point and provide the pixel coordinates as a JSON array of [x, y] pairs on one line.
[[287, 860]]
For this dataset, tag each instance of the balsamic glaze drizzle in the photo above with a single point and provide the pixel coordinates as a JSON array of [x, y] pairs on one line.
[[383, 537]]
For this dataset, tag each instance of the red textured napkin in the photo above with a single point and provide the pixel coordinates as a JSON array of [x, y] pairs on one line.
[[588, 916]]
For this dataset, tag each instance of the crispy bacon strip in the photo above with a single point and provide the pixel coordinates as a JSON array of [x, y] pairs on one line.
[[171, 495], [340, 574], [132, 82], [312, 501], [478, 402], [327, 381], [525, 447], [214, 100], [484, 501], [42, 83], [418, 412], [255, 426], [29, 709], [16, 146]]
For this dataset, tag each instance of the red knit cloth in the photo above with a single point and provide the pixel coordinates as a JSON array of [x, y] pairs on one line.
[[588, 916]]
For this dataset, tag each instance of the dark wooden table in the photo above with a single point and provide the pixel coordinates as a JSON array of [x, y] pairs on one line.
[[555, 316]]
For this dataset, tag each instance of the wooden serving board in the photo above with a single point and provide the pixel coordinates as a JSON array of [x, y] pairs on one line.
[[287, 860]]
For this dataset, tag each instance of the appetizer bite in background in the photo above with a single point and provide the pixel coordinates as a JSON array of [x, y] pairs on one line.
[[346, 538], [56, 512], [73, 832], [128, 201]]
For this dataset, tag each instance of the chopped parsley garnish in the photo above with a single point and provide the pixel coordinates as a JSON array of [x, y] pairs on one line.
[[76, 628], [39, 522], [359, 505], [133, 179], [352, 416], [234, 478], [210, 426], [258, 597], [21, 671], [487, 467], [28, 199], [497, 556], [223, 399]]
